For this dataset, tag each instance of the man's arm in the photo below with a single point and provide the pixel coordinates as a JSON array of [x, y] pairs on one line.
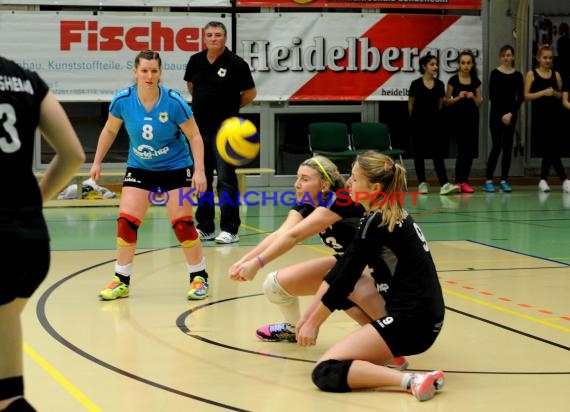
[[246, 97]]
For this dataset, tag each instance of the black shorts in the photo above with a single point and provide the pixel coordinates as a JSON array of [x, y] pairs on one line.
[[152, 180], [408, 335], [22, 276]]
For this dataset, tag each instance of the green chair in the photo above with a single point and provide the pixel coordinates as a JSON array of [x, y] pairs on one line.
[[330, 139], [375, 136]]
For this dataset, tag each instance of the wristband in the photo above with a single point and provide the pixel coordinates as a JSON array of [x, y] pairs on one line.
[[260, 261]]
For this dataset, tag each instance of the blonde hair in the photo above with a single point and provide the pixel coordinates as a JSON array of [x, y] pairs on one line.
[[327, 170], [380, 168]]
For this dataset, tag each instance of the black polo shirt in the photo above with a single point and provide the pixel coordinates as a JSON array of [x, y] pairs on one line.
[[217, 87]]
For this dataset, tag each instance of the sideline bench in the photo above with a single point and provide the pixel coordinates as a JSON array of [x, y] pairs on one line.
[[242, 172], [79, 177]]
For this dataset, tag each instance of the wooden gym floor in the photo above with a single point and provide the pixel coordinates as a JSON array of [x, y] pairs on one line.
[[503, 261]]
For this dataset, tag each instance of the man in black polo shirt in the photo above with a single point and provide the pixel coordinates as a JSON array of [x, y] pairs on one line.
[[220, 82]]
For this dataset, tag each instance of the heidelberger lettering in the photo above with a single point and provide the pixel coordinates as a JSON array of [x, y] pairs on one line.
[[358, 54]]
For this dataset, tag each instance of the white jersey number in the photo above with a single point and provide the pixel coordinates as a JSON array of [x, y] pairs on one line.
[[147, 132], [9, 140], [421, 236]]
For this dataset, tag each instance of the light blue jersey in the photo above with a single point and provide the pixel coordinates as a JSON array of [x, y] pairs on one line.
[[155, 140]]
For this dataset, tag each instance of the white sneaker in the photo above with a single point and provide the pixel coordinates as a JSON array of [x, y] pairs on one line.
[[566, 186], [448, 189], [424, 386], [423, 188], [227, 237], [206, 236], [543, 186]]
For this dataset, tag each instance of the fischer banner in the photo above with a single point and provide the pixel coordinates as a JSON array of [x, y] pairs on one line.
[[376, 4], [341, 56], [86, 57]]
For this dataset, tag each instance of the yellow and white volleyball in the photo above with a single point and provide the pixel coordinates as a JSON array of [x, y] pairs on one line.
[[237, 141]]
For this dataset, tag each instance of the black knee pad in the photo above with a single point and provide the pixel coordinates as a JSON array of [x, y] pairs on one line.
[[331, 375], [11, 387]]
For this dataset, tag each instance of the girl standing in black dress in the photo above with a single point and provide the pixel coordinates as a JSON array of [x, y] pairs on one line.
[[506, 94], [463, 96], [424, 107], [543, 88]]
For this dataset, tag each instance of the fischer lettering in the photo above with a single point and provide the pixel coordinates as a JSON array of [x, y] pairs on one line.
[[155, 36], [356, 55]]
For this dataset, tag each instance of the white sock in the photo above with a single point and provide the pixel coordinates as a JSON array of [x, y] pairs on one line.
[[291, 311], [124, 270], [406, 381], [197, 267]]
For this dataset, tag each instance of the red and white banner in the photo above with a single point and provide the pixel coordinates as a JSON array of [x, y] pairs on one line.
[[295, 56], [122, 3], [376, 4], [86, 57], [342, 56]]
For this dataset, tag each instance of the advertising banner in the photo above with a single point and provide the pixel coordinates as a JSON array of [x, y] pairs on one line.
[[338, 56], [376, 4], [121, 3], [86, 57], [295, 56]]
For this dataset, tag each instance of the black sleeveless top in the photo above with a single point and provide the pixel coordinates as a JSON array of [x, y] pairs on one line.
[[21, 94]]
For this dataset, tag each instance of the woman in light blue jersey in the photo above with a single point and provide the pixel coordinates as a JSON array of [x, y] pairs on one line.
[[165, 163]]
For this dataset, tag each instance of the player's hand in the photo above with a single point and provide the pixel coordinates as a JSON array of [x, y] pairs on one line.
[[199, 182], [233, 271], [246, 271], [95, 172], [307, 333]]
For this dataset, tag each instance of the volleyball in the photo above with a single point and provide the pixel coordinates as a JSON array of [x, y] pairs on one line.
[[237, 141]]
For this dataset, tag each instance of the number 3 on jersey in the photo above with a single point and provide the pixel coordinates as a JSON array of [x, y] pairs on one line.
[[9, 138]]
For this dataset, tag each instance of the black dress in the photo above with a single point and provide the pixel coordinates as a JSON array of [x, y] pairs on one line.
[[428, 140]]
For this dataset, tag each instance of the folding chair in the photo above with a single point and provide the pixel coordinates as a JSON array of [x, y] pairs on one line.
[[375, 136], [330, 139]]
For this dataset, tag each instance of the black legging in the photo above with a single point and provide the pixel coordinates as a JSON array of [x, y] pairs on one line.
[[553, 160], [466, 151], [439, 166], [502, 136], [546, 134]]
